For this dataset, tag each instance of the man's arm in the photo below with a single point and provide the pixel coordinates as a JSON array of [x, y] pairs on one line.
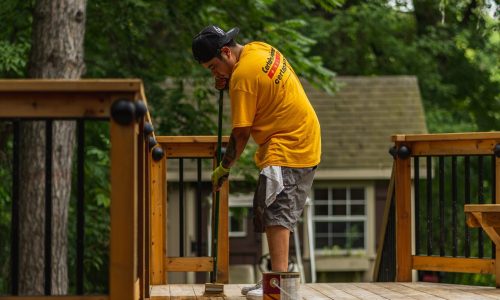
[[237, 142]]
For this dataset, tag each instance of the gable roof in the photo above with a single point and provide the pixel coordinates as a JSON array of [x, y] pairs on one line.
[[358, 121]]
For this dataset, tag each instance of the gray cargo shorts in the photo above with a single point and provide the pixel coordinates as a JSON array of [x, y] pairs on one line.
[[287, 208]]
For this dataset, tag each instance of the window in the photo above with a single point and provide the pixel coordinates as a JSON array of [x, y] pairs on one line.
[[340, 219], [238, 221]]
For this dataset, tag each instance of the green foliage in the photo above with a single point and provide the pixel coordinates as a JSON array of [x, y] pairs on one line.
[[452, 48], [97, 204], [15, 37], [12, 57], [155, 44]]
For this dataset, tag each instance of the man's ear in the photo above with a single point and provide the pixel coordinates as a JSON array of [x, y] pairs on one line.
[[227, 51]]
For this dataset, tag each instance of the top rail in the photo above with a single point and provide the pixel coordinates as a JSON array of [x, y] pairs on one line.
[[445, 136], [66, 99], [473, 143], [68, 85]]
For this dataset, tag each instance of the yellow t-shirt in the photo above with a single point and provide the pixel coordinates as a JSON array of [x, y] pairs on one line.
[[266, 94]]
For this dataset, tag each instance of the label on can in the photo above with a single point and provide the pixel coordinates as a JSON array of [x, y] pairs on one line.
[[281, 285]]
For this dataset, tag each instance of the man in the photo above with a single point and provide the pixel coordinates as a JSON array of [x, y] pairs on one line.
[[269, 103]]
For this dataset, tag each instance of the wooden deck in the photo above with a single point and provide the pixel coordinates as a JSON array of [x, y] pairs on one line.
[[345, 291]]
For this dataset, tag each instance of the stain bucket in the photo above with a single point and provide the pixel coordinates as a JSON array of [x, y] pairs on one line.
[[281, 285]]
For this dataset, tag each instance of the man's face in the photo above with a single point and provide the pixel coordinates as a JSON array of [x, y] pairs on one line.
[[220, 67]]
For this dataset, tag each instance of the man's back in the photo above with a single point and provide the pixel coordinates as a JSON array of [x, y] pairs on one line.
[[267, 95]]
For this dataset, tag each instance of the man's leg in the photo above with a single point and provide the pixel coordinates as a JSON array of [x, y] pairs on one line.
[[278, 238]]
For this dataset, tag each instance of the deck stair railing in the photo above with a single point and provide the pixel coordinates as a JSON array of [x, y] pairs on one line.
[[138, 176], [185, 150], [123, 104], [425, 227]]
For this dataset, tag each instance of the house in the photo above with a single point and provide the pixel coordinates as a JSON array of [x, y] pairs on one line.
[[350, 186]]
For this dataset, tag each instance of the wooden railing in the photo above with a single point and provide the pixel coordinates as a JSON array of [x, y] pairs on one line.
[[181, 148], [123, 103], [461, 176]]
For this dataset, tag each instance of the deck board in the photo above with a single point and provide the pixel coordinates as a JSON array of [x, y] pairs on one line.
[[343, 291], [408, 291], [446, 291]]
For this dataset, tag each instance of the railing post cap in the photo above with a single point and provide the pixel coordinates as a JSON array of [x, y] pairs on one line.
[[140, 109], [148, 128], [152, 142], [404, 152], [158, 153], [393, 151], [123, 111], [496, 150]]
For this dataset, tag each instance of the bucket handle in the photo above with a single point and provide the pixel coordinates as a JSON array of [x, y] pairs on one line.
[[275, 283]]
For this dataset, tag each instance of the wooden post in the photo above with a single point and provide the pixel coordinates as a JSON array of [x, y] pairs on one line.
[[497, 201], [141, 214], [403, 219], [158, 250], [123, 248], [147, 217]]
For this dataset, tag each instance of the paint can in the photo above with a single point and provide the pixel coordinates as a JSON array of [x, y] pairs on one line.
[[281, 285]]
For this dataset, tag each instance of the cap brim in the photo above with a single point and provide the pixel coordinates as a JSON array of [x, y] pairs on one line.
[[231, 34]]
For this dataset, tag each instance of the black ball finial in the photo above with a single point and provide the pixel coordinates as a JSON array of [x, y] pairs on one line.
[[496, 150], [148, 128], [393, 151], [123, 111], [157, 153], [404, 152], [140, 109], [151, 142]]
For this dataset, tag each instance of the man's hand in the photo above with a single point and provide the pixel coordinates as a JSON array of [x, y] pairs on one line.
[[220, 83], [219, 175]]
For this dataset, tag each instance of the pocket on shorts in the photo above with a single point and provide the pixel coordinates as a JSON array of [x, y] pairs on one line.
[[289, 178]]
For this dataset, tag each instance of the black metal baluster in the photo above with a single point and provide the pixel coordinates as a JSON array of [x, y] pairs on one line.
[[441, 207], [14, 252], [48, 207], [198, 209], [429, 205], [454, 198], [181, 207], [480, 194], [467, 201], [80, 206], [416, 180]]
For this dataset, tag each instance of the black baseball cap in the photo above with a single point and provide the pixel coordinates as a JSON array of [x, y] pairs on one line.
[[207, 44]]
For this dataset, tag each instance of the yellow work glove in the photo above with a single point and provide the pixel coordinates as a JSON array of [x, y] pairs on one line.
[[219, 175]]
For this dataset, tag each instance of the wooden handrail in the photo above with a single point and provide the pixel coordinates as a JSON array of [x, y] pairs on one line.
[[470, 136], [414, 145], [185, 147], [68, 99], [70, 85]]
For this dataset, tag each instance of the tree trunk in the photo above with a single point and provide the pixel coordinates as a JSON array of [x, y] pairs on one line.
[[57, 52], [427, 15]]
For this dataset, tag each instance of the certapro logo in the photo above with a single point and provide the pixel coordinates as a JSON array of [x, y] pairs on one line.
[[219, 31]]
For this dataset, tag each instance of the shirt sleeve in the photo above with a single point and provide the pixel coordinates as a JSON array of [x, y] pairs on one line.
[[243, 108]]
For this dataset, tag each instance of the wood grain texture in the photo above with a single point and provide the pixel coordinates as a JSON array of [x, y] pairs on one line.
[[454, 264], [403, 220]]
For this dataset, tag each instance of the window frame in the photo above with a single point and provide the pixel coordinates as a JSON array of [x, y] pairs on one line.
[[368, 218]]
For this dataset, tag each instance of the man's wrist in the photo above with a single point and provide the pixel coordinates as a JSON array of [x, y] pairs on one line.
[[224, 168]]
